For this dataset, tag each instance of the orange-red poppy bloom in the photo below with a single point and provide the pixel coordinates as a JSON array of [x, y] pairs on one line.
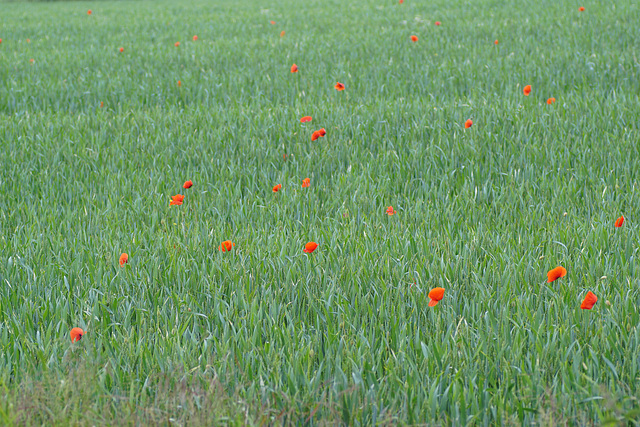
[[436, 295], [589, 301], [277, 188], [437, 23], [195, 38], [273, 22], [495, 42], [551, 100], [468, 124], [318, 134], [526, 90], [581, 9], [0, 40], [176, 200], [124, 258], [282, 33], [121, 49], [89, 12], [294, 68], [306, 182], [401, 1], [76, 334], [32, 60], [339, 86], [619, 221], [28, 40], [556, 273], [310, 247], [414, 38], [101, 104], [226, 245], [391, 211], [306, 119], [187, 184], [177, 44], [179, 83]]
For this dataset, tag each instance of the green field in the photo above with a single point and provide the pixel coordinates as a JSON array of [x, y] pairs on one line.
[[184, 334]]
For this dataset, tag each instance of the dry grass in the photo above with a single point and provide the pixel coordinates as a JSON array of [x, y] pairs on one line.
[[175, 398]]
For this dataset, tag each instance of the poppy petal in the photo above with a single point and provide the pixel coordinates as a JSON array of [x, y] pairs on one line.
[[556, 273], [589, 301], [76, 334]]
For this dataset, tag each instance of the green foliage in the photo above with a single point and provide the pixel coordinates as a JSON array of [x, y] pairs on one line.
[[266, 333]]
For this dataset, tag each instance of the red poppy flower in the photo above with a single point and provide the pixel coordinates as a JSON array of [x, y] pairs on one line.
[[339, 86], [294, 68], [619, 221], [187, 184], [124, 258], [306, 182], [0, 40], [391, 211], [121, 49], [551, 100], [277, 188], [401, 1], [526, 90], [179, 83], [32, 60], [556, 273], [318, 134], [273, 22], [589, 301], [177, 44], [306, 119], [176, 200], [28, 40], [437, 23], [495, 42], [89, 12], [226, 246], [195, 38], [282, 33], [468, 124], [414, 38], [310, 247], [436, 295], [76, 334], [101, 104], [581, 9]]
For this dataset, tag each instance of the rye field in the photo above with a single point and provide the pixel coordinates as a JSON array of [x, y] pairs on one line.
[[473, 191]]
